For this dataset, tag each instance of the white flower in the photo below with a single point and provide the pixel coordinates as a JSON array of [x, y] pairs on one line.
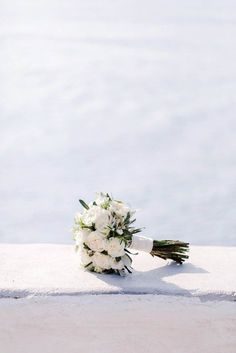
[[101, 199], [101, 260], [116, 265], [89, 216], [119, 231], [78, 217], [120, 209], [96, 241], [76, 228], [115, 247], [81, 236], [98, 216], [102, 220]]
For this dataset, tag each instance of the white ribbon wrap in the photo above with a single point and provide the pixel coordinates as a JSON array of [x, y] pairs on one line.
[[141, 243]]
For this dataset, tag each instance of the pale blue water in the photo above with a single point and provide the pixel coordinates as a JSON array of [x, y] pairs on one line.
[[135, 98]]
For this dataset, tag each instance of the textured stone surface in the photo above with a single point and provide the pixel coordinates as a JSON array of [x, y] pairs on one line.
[[117, 324], [49, 269]]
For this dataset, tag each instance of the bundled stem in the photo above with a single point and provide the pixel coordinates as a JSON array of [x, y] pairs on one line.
[[170, 249]]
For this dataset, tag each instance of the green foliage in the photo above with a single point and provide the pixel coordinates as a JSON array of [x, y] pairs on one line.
[[84, 204]]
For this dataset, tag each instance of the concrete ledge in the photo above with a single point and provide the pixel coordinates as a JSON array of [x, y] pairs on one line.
[[66, 309], [49, 269], [116, 324]]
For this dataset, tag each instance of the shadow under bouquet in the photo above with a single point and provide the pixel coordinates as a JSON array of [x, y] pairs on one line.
[[104, 234]]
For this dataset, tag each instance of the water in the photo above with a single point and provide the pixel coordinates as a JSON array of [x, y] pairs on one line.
[[134, 98]]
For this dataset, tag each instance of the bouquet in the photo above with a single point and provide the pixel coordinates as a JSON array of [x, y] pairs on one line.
[[104, 234]]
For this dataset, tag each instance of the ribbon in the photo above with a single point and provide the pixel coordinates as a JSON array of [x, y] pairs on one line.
[[141, 243]]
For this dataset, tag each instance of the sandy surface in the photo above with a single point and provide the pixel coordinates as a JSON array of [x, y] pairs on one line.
[[116, 323], [50, 269], [132, 97]]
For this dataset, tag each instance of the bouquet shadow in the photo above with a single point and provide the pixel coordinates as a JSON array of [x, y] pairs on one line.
[[155, 281]]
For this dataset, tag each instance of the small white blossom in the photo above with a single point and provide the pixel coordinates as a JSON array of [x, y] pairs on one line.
[[101, 199], [78, 218], [119, 231]]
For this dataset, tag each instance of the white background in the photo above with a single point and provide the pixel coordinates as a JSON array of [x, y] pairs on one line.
[[136, 98]]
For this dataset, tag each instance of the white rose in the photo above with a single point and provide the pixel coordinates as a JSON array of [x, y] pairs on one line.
[[101, 261], [115, 247], [101, 224], [89, 216], [119, 208], [116, 265], [102, 219], [81, 236], [98, 216], [96, 241]]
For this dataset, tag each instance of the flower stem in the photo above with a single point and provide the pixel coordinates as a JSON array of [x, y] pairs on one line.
[[170, 249]]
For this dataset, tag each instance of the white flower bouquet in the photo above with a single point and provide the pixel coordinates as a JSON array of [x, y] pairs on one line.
[[104, 234]]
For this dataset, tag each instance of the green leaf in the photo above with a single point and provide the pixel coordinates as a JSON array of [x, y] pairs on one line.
[[108, 196], [127, 218], [128, 269], [126, 250], [137, 230], [84, 204], [86, 246], [130, 257]]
